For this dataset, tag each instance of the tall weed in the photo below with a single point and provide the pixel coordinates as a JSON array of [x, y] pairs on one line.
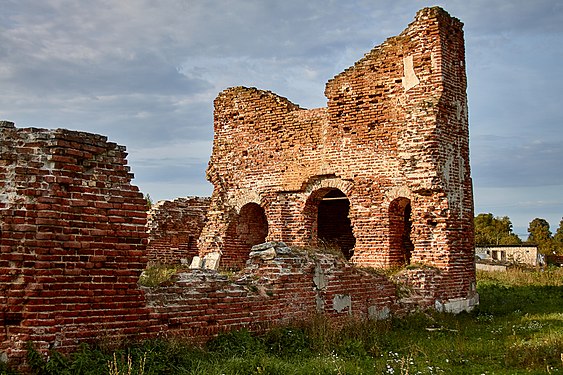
[[517, 329]]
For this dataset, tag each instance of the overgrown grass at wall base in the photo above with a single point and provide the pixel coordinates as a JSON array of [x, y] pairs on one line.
[[518, 329]]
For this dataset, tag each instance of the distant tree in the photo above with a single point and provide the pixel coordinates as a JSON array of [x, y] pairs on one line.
[[558, 238], [490, 230], [540, 235]]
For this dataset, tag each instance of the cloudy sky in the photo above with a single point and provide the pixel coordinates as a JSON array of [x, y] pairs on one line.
[[145, 73]]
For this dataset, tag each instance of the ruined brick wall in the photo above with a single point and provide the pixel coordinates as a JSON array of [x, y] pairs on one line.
[[72, 242], [279, 285], [393, 142], [382, 173], [174, 228]]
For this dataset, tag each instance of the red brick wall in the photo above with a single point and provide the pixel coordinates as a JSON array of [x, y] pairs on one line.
[[72, 241], [395, 129], [271, 290], [73, 246], [174, 228]]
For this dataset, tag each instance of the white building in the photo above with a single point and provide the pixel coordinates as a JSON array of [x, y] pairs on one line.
[[523, 254]]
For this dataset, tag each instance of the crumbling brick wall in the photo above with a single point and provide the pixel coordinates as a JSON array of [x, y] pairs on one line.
[[174, 228], [279, 285], [72, 242], [392, 142]]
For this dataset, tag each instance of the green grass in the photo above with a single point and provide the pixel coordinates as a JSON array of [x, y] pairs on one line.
[[159, 274], [518, 329]]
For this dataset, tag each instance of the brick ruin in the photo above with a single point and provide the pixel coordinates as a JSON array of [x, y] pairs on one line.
[[381, 175], [174, 228], [73, 240]]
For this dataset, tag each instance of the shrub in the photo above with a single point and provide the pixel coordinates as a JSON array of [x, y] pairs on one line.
[[158, 274], [237, 343], [287, 341]]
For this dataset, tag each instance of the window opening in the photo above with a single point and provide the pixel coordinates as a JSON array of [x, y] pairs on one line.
[[333, 223]]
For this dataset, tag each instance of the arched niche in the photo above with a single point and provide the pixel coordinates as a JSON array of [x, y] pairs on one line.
[[248, 228], [400, 226], [327, 220]]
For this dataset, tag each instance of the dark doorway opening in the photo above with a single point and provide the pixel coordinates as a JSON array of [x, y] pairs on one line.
[[333, 224]]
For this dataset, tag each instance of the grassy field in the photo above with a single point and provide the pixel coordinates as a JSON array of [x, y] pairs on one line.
[[517, 329]]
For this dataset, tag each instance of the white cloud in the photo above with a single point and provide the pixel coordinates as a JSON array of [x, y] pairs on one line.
[[522, 204], [180, 151], [145, 73]]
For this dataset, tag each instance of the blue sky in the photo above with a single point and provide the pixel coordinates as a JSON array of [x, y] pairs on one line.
[[145, 74]]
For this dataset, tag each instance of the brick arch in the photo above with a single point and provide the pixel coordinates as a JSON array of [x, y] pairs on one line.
[[399, 192], [327, 220], [248, 227], [241, 197], [320, 182]]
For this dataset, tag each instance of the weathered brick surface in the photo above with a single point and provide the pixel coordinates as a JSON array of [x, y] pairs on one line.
[[174, 227], [73, 246], [382, 173], [72, 241], [393, 140], [278, 285]]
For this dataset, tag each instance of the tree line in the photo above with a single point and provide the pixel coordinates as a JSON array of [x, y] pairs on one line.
[[495, 230]]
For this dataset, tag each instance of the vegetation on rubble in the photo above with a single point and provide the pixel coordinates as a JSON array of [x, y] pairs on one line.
[[321, 248], [149, 201], [159, 274], [518, 329]]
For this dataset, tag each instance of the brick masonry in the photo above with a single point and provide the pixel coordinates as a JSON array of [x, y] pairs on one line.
[[392, 144], [278, 285], [381, 174], [73, 241], [174, 227]]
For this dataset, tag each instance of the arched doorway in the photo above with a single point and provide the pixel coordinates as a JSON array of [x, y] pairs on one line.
[[248, 228], [329, 210], [400, 226]]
